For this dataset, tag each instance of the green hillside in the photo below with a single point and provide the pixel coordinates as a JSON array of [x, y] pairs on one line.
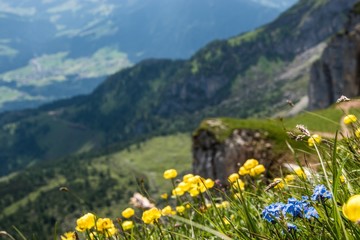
[[32, 200], [238, 77]]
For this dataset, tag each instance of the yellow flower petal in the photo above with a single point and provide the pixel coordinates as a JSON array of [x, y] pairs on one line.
[[280, 184], [314, 139], [243, 171], [348, 119], [300, 173], [233, 177], [85, 222], [250, 163], [170, 173], [128, 213], [151, 215], [351, 209], [127, 225], [180, 209]]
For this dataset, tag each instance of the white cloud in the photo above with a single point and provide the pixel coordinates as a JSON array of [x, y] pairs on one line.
[[276, 3], [5, 7]]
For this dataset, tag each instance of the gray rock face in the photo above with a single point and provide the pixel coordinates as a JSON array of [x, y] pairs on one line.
[[325, 19], [338, 71], [217, 160]]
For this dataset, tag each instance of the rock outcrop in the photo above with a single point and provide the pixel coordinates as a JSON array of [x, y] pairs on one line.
[[218, 159], [338, 71]]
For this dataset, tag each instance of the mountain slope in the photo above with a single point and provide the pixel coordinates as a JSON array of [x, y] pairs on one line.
[[239, 77], [50, 47], [31, 199]]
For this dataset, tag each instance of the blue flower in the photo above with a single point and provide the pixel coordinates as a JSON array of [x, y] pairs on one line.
[[273, 212], [321, 193], [311, 213], [291, 227], [293, 207], [305, 199]]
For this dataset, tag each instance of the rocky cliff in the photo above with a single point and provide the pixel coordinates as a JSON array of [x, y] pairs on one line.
[[217, 156], [338, 71]]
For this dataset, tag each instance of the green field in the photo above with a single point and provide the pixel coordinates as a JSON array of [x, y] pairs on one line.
[[58, 67]]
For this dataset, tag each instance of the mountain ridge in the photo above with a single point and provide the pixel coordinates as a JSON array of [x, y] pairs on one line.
[[165, 96], [162, 96], [81, 29]]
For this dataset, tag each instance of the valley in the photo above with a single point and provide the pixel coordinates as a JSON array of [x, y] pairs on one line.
[[57, 44]]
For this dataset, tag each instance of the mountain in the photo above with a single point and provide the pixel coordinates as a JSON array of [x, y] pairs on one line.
[[57, 49], [248, 75], [337, 72], [172, 29]]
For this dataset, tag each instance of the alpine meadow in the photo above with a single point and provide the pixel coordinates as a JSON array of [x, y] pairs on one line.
[[159, 119]]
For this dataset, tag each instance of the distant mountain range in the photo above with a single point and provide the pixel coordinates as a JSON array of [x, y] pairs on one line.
[[51, 49]]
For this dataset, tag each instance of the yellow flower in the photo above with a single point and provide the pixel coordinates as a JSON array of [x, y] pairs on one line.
[[194, 192], [233, 177], [225, 204], [237, 195], [226, 221], [202, 188], [257, 170], [351, 209], [350, 119], [110, 232], [209, 183], [69, 236], [185, 186], [167, 211], [164, 196], [280, 184], [180, 209], [104, 224], [187, 176], [151, 215], [243, 171], [194, 179], [357, 132], [250, 163], [289, 178], [127, 225], [169, 174], [85, 222], [238, 184], [93, 235], [178, 192], [300, 173], [128, 213], [314, 139], [342, 179]]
